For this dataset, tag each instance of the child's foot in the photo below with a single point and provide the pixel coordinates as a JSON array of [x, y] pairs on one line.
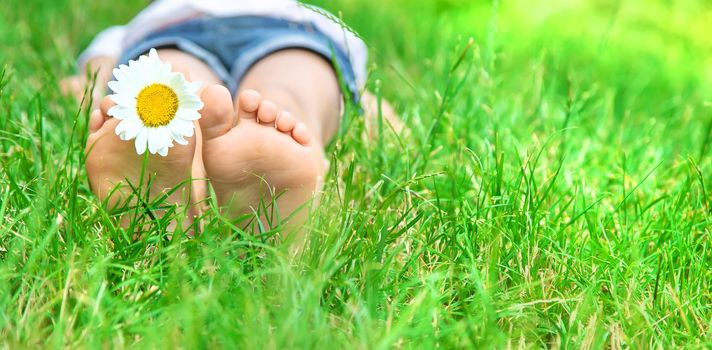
[[111, 162], [259, 154]]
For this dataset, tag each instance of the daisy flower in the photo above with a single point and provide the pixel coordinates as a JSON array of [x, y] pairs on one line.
[[155, 105]]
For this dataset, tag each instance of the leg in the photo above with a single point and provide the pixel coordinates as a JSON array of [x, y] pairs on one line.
[[285, 116], [110, 161], [310, 92]]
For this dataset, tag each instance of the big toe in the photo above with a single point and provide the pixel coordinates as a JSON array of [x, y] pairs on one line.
[[217, 116]]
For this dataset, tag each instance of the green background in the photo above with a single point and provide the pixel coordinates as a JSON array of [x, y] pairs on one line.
[[553, 190]]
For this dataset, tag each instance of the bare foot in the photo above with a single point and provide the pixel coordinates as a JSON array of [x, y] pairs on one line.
[[258, 154], [112, 164]]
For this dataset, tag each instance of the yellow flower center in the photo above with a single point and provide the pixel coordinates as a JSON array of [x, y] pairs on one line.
[[156, 105]]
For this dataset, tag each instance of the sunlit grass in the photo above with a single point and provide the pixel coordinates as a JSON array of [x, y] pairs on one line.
[[553, 190]]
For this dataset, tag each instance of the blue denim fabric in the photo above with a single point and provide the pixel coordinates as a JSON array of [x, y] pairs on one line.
[[231, 45]]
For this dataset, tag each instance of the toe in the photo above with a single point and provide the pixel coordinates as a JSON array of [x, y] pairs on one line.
[[217, 116], [267, 112], [106, 103], [248, 103], [96, 120], [102, 129], [301, 134], [286, 122]]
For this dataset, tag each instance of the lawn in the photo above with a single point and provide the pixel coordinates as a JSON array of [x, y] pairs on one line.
[[553, 190]]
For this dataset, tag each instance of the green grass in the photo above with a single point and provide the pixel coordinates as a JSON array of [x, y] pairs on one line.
[[555, 191]]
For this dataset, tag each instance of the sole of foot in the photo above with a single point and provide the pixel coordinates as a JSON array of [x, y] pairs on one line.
[[258, 158]]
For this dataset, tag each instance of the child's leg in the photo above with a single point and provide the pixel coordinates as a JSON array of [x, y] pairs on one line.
[[302, 83], [288, 109]]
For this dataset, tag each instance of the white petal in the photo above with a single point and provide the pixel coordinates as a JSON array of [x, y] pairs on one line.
[[182, 127], [120, 73], [156, 70], [164, 135], [133, 88], [163, 151], [175, 80], [147, 75], [179, 139], [132, 64], [115, 86], [165, 70], [187, 114], [141, 141], [179, 131], [141, 71], [122, 113], [114, 111], [123, 88], [194, 86], [129, 128], [152, 141], [159, 138], [153, 54], [192, 102], [163, 140], [124, 100], [121, 130], [143, 59]]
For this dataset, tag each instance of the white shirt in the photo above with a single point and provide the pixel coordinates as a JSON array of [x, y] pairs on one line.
[[163, 13]]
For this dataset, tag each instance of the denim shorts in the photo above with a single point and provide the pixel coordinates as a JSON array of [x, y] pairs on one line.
[[231, 45]]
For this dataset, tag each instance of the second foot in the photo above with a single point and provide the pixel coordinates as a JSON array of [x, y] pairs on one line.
[[259, 159]]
